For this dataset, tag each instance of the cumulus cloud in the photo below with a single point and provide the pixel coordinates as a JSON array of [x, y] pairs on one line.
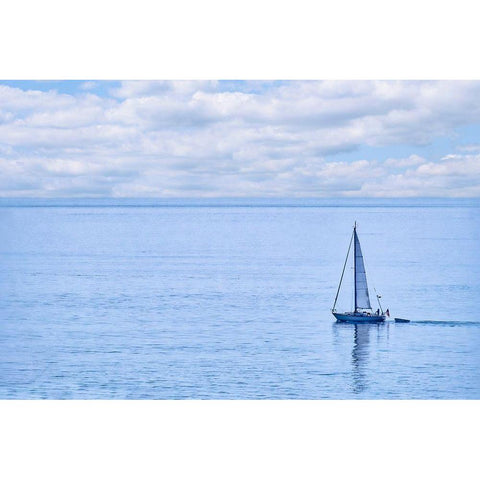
[[88, 85], [210, 138], [469, 148], [456, 175]]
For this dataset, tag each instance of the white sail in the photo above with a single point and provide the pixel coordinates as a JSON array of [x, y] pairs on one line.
[[361, 288]]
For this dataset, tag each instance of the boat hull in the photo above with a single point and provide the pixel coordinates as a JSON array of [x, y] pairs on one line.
[[350, 317]]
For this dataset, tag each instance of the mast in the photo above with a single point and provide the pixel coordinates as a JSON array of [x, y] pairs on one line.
[[355, 265]]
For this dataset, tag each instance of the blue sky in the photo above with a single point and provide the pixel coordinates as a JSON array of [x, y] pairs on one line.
[[239, 138], [71, 87]]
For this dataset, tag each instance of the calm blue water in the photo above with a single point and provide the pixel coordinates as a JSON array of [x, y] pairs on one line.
[[231, 299]]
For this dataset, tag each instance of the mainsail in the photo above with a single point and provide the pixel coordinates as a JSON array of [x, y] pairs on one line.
[[361, 288]]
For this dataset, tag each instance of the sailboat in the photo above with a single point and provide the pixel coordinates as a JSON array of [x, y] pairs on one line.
[[363, 311]]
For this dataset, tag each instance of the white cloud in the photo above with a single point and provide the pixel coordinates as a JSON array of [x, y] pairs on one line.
[[469, 148], [149, 88], [254, 138], [399, 163], [458, 175], [89, 85]]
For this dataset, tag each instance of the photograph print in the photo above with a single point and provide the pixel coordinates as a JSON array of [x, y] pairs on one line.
[[241, 240]]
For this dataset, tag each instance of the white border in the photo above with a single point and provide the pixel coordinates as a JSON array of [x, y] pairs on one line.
[[221, 39], [239, 440]]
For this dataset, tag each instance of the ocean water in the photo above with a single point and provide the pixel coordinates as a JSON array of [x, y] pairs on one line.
[[231, 299]]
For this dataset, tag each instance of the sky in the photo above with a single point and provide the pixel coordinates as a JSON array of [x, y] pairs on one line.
[[239, 138]]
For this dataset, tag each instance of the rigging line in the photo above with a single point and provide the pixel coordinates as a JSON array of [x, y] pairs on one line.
[[378, 299], [343, 271]]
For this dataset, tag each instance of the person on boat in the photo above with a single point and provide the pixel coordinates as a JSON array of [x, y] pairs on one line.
[[377, 312], [387, 312]]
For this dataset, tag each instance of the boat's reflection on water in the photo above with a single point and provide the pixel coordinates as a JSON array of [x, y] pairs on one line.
[[361, 349]]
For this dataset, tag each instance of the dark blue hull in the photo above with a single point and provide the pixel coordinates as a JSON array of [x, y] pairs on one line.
[[348, 317]]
